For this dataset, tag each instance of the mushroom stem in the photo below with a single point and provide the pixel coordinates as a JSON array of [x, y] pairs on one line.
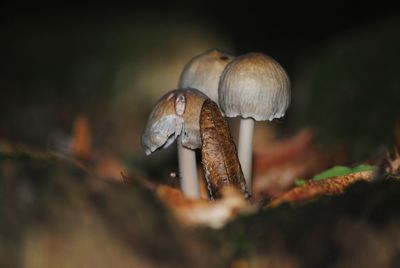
[[245, 149], [188, 171]]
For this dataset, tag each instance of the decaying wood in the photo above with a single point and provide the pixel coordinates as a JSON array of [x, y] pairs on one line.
[[314, 189], [218, 152]]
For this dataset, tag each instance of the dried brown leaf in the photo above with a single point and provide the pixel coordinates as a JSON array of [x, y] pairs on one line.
[[279, 178], [201, 212], [314, 189], [281, 151], [390, 166], [81, 138]]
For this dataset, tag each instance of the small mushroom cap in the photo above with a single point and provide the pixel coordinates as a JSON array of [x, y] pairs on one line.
[[203, 72], [254, 85], [176, 113]]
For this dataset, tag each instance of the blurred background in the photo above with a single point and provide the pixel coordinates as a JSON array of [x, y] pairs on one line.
[[109, 63], [112, 62]]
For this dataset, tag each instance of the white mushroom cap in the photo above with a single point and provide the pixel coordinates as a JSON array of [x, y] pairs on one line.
[[254, 85], [203, 72], [176, 113]]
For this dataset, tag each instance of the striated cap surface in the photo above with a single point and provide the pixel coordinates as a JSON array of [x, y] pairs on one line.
[[176, 113], [254, 85], [203, 72]]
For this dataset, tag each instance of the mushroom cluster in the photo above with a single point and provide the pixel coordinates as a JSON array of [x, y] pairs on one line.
[[202, 72], [252, 86]]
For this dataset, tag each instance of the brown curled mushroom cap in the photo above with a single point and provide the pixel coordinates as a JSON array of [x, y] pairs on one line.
[[219, 157], [203, 72], [176, 113], [254, 85]]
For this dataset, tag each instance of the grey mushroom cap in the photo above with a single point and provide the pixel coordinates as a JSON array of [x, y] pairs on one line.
[[203, 72], [254, 85], [176, 113]]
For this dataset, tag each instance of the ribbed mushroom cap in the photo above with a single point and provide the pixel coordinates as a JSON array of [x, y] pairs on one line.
[[203, 72], [254, 85], [176, 113]]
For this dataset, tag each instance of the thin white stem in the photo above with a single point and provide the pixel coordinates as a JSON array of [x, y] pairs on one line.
[[245, 149], [188, 171]]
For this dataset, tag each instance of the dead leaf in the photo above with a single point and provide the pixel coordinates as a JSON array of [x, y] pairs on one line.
[[81, 138], [201, 212], [281, 151], [314, 189], [274, 181], [80, 151], [390, 166]]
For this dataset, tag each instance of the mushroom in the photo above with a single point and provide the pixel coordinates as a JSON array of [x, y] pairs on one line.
[[177, 114], [202, 72], [255, 87], [218, 153]]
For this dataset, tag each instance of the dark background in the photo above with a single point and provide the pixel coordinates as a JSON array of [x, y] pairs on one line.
[[283, 28], [60, 60]]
